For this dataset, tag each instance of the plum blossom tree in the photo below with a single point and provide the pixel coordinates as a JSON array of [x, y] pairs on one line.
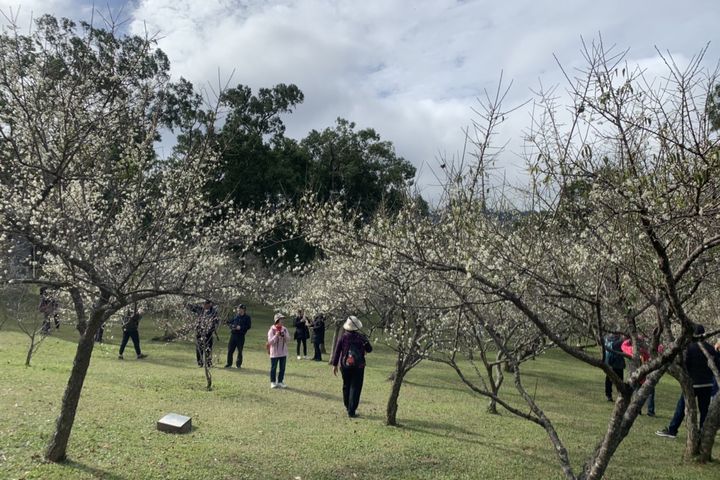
[[620, 232], [358, 277], [80, 110]]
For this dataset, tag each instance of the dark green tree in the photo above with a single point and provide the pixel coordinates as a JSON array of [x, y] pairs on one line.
[[358, 167], [714, 108], [258, 162]]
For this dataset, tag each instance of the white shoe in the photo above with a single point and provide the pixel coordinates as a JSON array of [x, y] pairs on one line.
[[274, 385], [281, 385], [299, 357], [305, 357]]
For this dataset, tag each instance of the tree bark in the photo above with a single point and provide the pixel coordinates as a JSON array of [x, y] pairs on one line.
[[627, 408], [692, 444], [208, 373], [492, 405], [57, 448], [598, 463], [709, 430], [335, 340], [79, 309], [30, 350], [392, 405]]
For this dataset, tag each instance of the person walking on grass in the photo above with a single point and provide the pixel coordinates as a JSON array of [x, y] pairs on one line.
[[302, 333], [131, 322], [349, 355], [703, 380], [239, 325], [277, 345]]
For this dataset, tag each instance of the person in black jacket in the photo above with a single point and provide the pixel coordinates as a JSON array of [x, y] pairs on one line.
[[131, 322], [349, 355], [613, 358], [239, 325], [318, 336], [704, 385], [302, 333], [49, 307], [205, 330]]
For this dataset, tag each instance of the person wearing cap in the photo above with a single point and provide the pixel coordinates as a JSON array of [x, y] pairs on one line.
[[278, 337], [239, 325], [349, 355]]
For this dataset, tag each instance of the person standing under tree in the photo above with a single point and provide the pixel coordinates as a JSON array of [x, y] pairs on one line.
[[131, 322], [703, 382], [205, 329], [49, 307], [277, 346], [302, 333], [99, 333], [349, 354], [613, 358], [318, 336], [239, 325]]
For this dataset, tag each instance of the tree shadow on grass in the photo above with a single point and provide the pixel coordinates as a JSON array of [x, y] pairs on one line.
[[460, 434], [75, 468], [436, 428], [437, 387], [246, 371], [321, 395], [261, 372]]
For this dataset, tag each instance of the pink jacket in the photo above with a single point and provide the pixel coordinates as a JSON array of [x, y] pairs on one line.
[[278, 343]]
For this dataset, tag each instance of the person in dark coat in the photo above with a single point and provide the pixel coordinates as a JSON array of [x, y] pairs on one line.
[[349, 355], [703, 379], [49, 307], [99, 334], [302, 333], [318, 336], [613, 357], [131, 322], [239, 325], [205, 330]]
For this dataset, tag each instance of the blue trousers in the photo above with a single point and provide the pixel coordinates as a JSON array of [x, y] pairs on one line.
[[650, 402], [702, 395], [608, 382], [274, 362]]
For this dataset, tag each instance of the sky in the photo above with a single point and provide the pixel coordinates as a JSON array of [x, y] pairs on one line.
[[414, 69]]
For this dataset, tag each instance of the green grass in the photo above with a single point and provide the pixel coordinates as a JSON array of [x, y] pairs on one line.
[[242, 429]]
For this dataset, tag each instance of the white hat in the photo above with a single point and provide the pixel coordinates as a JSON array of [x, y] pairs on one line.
[[352, 323], [278, 316]]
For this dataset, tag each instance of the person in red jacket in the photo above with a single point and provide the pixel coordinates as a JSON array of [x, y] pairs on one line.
[[628, 350]]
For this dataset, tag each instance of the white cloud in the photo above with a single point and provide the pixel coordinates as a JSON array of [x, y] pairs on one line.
[[23, 11], [411, 70]]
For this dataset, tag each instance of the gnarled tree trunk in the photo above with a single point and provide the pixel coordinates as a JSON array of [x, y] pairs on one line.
[[57, 448], [709, 430], [392, 404]]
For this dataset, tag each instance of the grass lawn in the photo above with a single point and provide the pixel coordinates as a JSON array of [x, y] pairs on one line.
[[242, 429]]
